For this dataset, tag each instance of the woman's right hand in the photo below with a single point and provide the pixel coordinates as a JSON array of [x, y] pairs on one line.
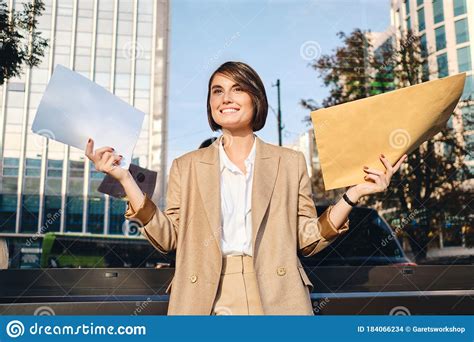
[[106, 161]]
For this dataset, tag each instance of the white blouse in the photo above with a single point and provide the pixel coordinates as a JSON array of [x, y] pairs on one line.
[[236, 204]]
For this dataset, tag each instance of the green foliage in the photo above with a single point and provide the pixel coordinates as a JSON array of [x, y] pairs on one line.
[[20, 42]]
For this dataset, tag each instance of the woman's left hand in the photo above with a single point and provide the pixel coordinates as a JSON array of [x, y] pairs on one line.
[[376, 180]]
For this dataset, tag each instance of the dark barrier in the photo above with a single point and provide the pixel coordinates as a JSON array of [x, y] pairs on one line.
[[342, 290]]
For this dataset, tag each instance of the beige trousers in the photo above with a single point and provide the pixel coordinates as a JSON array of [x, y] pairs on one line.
[[238, 291]]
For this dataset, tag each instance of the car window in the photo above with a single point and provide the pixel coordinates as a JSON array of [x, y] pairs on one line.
[[369, 236]]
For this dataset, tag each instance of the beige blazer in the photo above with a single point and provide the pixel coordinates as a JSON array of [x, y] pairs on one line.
[[284, 220], [3, 254]]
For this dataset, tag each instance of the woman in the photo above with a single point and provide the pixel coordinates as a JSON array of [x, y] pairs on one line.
[[3, 254], [239, 210]]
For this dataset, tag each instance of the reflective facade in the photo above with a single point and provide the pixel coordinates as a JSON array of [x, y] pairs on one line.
[[446, 28], [121, 45]]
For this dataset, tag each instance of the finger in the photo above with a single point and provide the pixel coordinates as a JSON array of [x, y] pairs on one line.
[[385, 162], [89, 148], [117, 160], [399, 162], [101, 162], [110, 163], [102, 150], [373, 171], [370, 178], [106, 156], [375, 179]]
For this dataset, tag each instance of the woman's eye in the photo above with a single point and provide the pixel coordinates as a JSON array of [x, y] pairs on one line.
[[237, 89], [217, 91]]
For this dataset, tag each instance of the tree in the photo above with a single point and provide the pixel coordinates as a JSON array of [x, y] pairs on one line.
[[436, 170], [20, 43], [345, 75]]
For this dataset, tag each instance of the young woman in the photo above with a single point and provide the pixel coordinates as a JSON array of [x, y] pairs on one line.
[[238, 211]]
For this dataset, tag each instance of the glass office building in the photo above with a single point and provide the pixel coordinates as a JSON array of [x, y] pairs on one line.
[[446, 28], [46, 186]]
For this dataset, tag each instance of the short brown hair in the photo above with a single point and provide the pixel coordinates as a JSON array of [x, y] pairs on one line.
[[251, 83]]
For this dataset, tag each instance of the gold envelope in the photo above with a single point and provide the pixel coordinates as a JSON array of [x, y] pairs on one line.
[[354, 134]]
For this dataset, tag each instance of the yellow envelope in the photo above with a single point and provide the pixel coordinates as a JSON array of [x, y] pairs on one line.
[[354, 134]]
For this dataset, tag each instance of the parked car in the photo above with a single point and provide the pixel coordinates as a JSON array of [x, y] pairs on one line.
[[370, 241]]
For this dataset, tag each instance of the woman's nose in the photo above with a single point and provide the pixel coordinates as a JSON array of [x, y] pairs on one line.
[[227, 98]]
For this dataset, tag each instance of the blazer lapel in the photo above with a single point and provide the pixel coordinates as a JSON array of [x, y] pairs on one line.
[[265, 174], [209, 179]]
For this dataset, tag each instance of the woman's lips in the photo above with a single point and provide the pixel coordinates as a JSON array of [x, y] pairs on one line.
[[229, 110]]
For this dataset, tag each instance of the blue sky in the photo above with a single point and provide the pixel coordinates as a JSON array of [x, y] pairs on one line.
[[275, 37]]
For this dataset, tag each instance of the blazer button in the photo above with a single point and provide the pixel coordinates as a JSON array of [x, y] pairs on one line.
[[193, 278], [281, 271]]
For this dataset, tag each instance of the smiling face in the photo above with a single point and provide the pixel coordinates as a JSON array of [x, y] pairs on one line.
[[231, 107]]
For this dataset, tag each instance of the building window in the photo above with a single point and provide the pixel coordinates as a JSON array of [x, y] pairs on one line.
[[74, 206], [33, 167], [419, 2], [407, 7], [442, 65], [8, 212], [55, 168], [421, 19], [94, 174], [408, 24], [52, 214], [423, 46], [459, 7], [440, 38], [438, 12], [76, 169], [464, 59], [29, 214], [95, 220], [462, 31], [10, 167], [425, 72], [117, 208], [468, 88]]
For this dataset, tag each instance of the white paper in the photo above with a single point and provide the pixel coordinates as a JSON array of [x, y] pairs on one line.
[[74, 109]]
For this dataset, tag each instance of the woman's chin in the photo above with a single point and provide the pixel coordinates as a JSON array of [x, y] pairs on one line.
[[231, 125]]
